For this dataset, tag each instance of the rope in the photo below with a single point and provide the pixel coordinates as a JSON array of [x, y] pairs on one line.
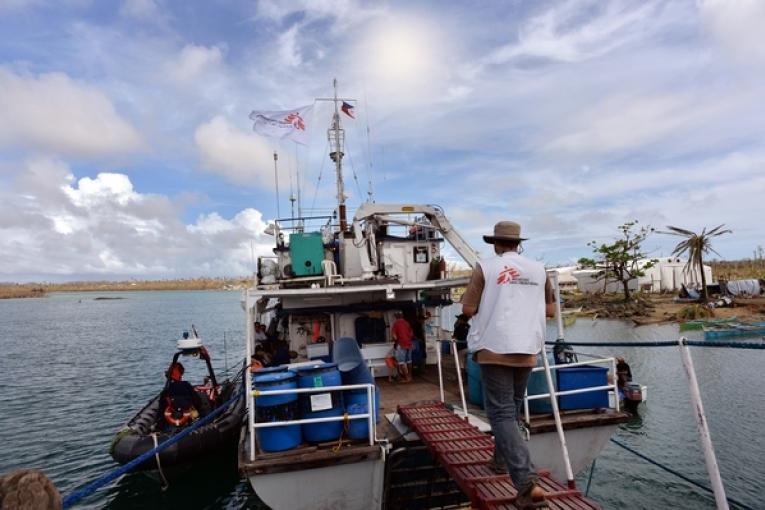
[[77, 495], [344, 432], [165, 483], [678, 474], [589, 479], [666, 343]]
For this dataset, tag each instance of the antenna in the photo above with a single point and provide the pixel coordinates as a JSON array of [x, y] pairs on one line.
[[292, 199], [336, 139], [337, 135], [299, 201], [276, 179], [370, 189]]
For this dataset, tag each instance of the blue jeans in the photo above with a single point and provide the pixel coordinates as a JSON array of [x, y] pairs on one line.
[[503, 391]]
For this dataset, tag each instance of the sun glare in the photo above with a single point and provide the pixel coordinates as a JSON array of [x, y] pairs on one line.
[[400, 51]]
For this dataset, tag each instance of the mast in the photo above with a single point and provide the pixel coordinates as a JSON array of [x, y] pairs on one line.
[[276, 179], [336, 137]]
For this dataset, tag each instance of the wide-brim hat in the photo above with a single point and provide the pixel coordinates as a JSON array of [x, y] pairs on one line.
[[505, 231]]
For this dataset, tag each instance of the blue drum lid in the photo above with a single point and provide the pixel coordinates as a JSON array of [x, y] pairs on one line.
[[319, 367], [270, 370], [274, 377]]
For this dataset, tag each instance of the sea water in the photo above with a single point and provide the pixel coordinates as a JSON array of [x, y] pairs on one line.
[[75, 369]]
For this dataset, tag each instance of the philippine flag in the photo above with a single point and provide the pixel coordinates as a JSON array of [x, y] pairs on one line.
[[347, 109]]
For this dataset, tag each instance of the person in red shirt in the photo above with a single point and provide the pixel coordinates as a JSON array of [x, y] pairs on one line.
[[402, 335]]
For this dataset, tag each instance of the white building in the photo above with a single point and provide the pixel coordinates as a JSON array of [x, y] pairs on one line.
[[566, 278], [667, 275]]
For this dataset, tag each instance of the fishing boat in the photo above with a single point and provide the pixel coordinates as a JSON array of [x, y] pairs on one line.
[[161, 419], [569, 316], [698, 324], [333, 429], [732, 329]]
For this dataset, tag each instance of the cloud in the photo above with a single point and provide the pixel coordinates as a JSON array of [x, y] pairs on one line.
[[345, 14], [141, 9], [193, 61], [53, 113], [738, 26], [289, 50], [53, 224], [239, 157], [575, 31], [9, 5]]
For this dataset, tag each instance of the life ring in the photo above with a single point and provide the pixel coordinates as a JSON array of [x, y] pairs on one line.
[[177, 421]]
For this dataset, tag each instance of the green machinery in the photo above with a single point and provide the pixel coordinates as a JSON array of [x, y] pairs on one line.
[[306, 253]]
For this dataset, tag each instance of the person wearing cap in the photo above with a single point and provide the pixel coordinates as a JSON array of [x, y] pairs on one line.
[[508, 298]]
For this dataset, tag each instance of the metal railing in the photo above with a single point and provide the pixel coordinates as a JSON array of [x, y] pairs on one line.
[[370, 415], [578, 391]]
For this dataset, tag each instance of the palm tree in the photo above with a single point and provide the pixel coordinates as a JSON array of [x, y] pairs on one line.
[[696, 245]]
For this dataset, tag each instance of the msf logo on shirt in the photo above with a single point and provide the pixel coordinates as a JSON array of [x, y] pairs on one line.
[[507, 275]]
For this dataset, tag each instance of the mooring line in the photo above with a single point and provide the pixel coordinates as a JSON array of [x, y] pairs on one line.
[[678, 474]]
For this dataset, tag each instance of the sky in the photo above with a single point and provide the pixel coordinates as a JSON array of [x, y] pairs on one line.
[[126, 150]]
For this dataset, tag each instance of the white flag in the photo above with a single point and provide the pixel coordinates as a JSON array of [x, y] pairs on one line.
[[291, 124]]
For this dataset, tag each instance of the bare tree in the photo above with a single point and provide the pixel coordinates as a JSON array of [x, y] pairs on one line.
[[696, 246]]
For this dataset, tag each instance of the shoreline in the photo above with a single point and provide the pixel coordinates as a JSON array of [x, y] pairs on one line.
[[645, 309], [39, 290]]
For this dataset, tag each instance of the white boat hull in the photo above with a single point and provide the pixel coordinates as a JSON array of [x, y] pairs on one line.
[[352, 486], [583, 446]]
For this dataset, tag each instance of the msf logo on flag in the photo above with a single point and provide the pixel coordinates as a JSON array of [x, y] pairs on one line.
[[507, 275], [295, 120], [283, 124]]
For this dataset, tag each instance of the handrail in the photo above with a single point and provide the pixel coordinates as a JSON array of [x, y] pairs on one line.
[[370, 415], [453, 349], [538, 396]]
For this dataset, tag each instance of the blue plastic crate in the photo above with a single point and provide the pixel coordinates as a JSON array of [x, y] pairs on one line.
[[574, 378]]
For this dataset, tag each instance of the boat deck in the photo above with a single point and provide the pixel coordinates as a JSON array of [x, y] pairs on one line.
[[465, 452], [392, 396], [424, 387]]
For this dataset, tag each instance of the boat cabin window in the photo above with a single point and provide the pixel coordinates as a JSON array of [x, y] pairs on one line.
[[370, 330], [421, 254]]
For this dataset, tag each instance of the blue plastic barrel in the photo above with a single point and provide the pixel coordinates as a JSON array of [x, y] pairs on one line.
[[320, 405], [359, 398], [270, 370], [270, 408], [537, 385], [347, 354], [358, 429], [475, 386], [579, 377]]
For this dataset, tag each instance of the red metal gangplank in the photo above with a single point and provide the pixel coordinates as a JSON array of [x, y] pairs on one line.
[[465, 453]]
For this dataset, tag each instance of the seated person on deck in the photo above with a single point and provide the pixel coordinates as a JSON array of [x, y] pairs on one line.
[[181, 402]]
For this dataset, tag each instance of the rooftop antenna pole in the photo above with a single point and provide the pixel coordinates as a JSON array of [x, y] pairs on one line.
[[337, 137], [276, 179]]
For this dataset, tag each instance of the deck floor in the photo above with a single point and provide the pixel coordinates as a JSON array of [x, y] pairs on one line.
[[465, 452], [424, 387]]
